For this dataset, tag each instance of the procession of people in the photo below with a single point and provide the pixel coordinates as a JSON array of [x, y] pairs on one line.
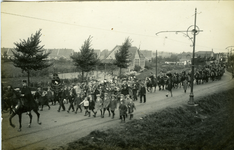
[[108, 96]]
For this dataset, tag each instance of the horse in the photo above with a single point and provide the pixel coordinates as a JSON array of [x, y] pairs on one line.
[[204, 77], [43, 100], [161, 83], [212, 75], [176, 81], [154, 84], [22, 109], [148, 84], [9, 100], [198, 77]]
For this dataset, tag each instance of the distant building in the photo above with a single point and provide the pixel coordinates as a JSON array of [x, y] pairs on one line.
[[8, 52], [59, 53], [220, 57], [55, 53], [204, 54], [98, 52], [147, 54], [185, 58], [135, 56], [104, 54], [162, 54]]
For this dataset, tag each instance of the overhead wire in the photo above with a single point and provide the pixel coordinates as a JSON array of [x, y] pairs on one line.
[[48, 20]]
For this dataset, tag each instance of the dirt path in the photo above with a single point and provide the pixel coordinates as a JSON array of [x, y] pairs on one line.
[[60, 128]]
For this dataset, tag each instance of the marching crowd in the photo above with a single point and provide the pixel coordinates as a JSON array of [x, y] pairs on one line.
[[96, 96]]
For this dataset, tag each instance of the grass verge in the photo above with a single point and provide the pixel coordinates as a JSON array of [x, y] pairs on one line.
[[208, 126]]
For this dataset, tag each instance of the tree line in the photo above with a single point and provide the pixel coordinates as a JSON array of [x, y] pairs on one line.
[[31, 56]]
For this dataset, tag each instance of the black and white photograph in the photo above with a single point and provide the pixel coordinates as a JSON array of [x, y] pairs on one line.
[[117, 75]]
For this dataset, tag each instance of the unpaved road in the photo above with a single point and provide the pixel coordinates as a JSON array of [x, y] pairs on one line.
[[60, 128]]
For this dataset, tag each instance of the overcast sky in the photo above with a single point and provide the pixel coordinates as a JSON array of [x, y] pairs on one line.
[[69, 24]]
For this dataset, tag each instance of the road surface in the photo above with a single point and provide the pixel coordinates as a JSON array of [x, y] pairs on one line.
[[60, 128]]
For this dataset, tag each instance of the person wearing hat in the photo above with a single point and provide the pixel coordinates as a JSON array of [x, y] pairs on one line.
[[26, 95], [169, 85], [77, 101], [49, 96], [122, 111], [98, 105], [86, 105], [91, 106], [113, 105], [135, 87], [127, 101], [125, 89], [41, 98], [142, 92], [61, 97], [71, 98], [106, 103], [131, 106], [37, 95]]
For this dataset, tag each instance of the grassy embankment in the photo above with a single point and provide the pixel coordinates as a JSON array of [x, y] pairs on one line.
[[171, 129]]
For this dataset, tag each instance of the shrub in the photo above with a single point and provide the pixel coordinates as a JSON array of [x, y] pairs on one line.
[[148, 65], [137, 68]]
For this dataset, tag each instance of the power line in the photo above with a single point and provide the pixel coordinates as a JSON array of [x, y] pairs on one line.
[[48, 20]]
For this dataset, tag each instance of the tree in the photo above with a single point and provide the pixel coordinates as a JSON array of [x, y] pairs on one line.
[[122, 56], [30, 55], [85, 60]]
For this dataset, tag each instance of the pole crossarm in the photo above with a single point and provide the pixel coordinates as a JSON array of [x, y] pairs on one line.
[[194, 30], [178, 31], [184, 32], [229, 47]]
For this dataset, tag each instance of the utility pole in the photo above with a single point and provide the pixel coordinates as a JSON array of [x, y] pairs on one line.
[[195, 31], [191, 99], [105, 72], [156, 59]]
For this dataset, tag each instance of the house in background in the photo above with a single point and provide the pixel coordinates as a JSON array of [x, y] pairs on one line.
[[98, 52], [204, 54], [104, 54], [147, 54], [220, 57], [185, 58], [59, 53], [8, 52], [162, 54], [135, 57]]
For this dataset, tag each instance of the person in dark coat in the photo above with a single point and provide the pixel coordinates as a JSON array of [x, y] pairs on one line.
[[71, 98], [123, 111], [135, 87], [26, 95], [49, 96], [78, 100], [91, 105], [169, 84], [61, 97], [113, 105], [142, 92], [125, 90], [131, 106]]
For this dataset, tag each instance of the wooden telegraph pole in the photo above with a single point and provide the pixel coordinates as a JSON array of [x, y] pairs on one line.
[[156, 72]]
